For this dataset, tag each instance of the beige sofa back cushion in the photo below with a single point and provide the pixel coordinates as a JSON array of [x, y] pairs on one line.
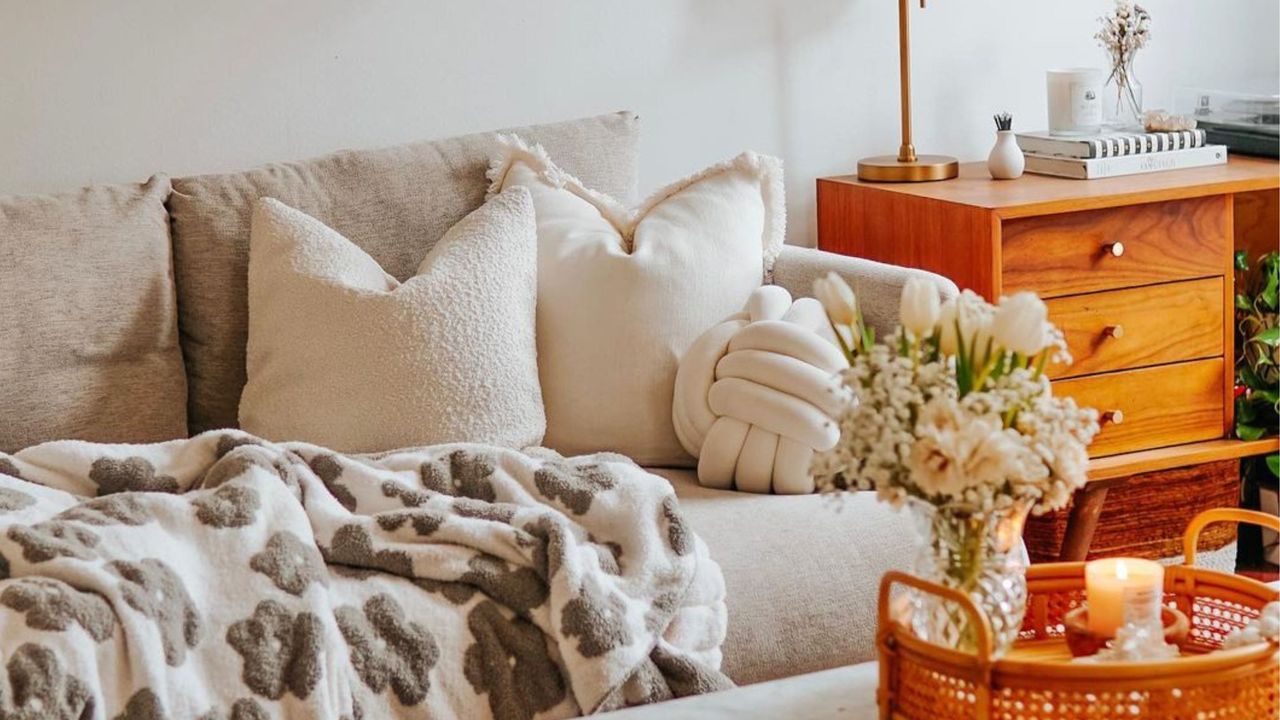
[[88, 326], [394, 203]]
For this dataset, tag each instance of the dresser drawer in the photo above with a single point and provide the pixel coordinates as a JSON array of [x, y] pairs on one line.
[[1128, 246], [1137, 327], [1153, 407]]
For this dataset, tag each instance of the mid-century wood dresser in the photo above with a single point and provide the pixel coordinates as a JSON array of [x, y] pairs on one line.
[[1137, 271]]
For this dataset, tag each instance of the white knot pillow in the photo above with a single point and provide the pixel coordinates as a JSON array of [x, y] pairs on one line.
[[757, 395]]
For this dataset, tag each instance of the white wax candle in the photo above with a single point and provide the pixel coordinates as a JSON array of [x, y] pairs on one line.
[[1075, 101], [1116, 587]]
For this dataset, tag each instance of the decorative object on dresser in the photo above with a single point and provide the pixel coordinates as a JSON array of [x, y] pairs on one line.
[[1074, 101], [953, 417], [1136, 272], [1005, 162], [906, 166], [757, 394], [1124, 32]]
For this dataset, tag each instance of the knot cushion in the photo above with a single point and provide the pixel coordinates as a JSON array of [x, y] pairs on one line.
[[758, 394]]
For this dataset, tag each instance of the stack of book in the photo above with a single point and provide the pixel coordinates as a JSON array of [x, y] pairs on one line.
[[1112, 154]]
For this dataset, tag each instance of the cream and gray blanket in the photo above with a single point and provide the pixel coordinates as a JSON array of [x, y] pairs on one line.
[[228, 577]]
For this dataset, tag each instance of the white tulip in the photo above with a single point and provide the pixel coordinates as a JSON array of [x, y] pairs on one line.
[[837, 298], [1021, 324], [975, 319], [920, 307]]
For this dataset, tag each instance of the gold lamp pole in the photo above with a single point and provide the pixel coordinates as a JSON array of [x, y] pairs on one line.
[[906, 166]]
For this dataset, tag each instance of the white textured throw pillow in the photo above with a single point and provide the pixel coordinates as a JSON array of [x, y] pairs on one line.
[[342, 355], [758, 394], [622, 293]]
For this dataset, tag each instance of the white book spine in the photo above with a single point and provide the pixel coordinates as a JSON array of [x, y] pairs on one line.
[[1093, 168]]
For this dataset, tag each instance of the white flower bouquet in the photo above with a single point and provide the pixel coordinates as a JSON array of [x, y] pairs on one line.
[[953, 415]]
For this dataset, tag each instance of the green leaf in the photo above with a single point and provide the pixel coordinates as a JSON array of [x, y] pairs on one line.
[[1270, 336], [1246, 412], [1269, 396], [1249, 432], [1242, 302], [1248, 377], [1242, 260], [1273, 462]]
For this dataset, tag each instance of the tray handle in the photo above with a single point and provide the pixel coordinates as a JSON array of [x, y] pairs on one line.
[[983, 625], [1191, 537]]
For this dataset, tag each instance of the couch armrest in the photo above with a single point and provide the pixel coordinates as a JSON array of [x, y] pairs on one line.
[[877, 285]]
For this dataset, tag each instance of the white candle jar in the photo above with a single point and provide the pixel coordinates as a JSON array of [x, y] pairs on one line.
[[1075, 101]]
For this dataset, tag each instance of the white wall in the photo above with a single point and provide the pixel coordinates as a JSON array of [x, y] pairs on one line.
[[96, 91]]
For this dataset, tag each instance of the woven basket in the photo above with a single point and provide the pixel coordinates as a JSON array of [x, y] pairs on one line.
[[1036, 680]]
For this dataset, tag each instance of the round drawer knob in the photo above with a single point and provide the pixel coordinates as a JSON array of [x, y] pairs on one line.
[[1113, 331], [1112, 417], [1115, 249]]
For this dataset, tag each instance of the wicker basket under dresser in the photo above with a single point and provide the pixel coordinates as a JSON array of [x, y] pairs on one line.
[[1137, 271]]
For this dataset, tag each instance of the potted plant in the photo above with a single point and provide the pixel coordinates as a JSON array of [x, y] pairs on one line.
[[1257, 383]]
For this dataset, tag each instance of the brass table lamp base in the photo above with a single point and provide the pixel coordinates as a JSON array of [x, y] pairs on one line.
[[925, 168]]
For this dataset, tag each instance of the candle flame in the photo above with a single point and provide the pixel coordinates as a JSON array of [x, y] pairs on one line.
[[1122, 570]]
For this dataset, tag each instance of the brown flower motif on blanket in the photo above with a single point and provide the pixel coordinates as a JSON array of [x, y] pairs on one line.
[[53, 605], [232, 466], [509, 662], [132, 474], [290, 563], [242, 709], [7, 467], [153, 589], [491, 511], [352, 545], [598, 618], [550, 537], [467, 474], [329, 468], [4, 567], [11, 499], [123, 509], [678, 534], [410, 497], [389, 650], [227, 443], [143, 705], [574, 485], [424, 521], [230, 506], [39, 688], [52, 539], [521, 589], [281, 651]]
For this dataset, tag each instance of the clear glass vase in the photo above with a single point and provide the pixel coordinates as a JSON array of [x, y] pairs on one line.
[[1123, 98], [979, 554]]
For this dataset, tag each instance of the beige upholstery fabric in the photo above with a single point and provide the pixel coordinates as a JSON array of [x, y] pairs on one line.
[[801, 577], [88, 327], [395, 203], [878, 286], [446, 356]]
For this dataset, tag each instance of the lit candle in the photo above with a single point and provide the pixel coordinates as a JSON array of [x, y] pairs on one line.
[[1120, 589]]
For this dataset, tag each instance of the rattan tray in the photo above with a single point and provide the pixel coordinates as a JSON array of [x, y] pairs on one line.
[[1036, 680]]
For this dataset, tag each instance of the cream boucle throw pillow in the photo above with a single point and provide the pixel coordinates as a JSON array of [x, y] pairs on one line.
[[622, 293], [342, 355]]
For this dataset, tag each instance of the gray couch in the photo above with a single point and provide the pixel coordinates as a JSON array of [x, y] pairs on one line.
[[124, 320]]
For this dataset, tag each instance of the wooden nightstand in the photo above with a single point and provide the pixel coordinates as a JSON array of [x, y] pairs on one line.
[[1137, 271]]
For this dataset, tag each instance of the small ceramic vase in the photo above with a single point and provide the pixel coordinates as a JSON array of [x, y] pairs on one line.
[[1005, 161]]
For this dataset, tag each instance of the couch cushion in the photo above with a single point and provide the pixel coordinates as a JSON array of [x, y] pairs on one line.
[[801, 576], [394, 203], [88, 327], [454, 358]]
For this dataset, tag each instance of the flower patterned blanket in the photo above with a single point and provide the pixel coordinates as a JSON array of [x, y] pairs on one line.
[[227, 577]]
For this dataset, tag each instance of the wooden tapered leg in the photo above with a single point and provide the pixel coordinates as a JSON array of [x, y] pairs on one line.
[[1086, 508]]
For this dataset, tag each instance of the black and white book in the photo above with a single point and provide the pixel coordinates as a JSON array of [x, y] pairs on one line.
[[1092, 168], [1110, 144]]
